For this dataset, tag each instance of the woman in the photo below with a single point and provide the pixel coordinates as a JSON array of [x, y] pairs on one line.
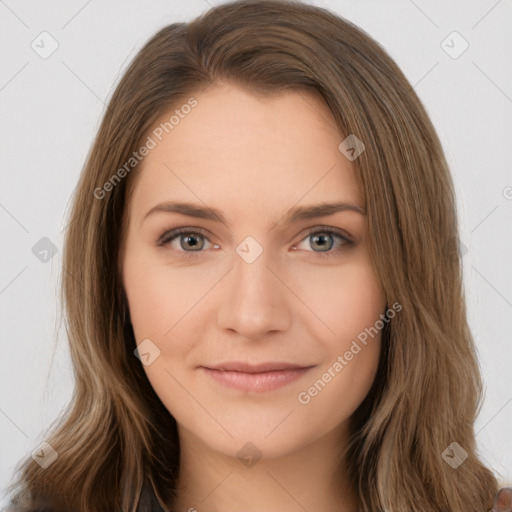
[[253, 369]]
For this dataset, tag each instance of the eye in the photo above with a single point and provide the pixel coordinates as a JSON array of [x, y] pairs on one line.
[[323, 239], [186, 239]]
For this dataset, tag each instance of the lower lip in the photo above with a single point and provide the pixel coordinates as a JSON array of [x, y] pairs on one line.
[[259, 382]]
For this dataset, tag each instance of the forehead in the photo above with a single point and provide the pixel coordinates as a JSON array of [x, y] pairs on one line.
[[250, 152]]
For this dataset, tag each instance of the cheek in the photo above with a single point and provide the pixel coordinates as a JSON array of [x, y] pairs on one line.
[[345, 300], [154, 294], [148, 300], [165, 307], [351, 306], [349, 302], [156, 305]]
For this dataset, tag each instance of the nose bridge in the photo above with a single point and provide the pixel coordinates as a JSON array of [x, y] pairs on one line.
[[254, 300], [251, 269]]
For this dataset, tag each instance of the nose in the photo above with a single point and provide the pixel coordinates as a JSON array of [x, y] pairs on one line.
[[255, 298]]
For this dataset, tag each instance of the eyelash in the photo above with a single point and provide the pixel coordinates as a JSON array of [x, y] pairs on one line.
[[171, 235]]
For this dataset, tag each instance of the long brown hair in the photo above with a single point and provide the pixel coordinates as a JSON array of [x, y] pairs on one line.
[[116, 434]]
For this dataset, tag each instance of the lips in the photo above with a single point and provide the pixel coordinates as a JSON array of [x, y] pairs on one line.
[[238, 366], [262, 377]]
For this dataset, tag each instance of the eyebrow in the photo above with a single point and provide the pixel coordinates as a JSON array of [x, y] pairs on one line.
[[294, 215]]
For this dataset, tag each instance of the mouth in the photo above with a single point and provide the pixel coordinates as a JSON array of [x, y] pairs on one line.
[[255, 378]]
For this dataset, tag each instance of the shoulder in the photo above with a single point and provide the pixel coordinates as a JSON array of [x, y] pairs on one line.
[[503, 500]]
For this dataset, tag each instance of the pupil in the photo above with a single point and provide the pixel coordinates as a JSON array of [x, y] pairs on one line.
[[192, 238], [316, 237]]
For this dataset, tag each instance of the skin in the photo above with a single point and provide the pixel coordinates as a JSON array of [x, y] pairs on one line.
[[254, 159]]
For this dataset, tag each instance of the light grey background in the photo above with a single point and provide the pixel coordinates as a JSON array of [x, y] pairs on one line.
[[50, 109]]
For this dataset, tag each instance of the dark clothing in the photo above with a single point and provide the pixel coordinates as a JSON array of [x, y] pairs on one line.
[[149, 502]]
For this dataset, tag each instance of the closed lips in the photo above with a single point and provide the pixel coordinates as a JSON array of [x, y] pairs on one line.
[[258, 368], [257, 379]]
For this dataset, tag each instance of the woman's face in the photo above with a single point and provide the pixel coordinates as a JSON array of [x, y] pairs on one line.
[[259, 281]]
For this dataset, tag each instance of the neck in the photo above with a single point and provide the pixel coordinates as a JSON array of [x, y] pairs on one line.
[[305, 480]]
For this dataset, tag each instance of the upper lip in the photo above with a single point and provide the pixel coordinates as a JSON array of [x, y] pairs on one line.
[[255, 368]]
